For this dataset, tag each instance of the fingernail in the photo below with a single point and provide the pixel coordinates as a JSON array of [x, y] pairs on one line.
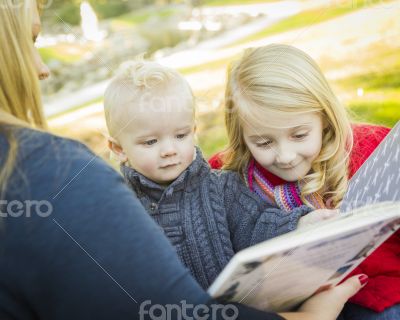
[[363, 279]]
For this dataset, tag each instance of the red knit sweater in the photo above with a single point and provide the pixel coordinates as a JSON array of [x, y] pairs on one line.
[[383, 266]]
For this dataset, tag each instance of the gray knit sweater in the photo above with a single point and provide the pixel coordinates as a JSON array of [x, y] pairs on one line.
[[208, 215]]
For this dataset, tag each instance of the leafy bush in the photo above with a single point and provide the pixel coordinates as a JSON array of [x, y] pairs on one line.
[[109, 9], [69, 13]]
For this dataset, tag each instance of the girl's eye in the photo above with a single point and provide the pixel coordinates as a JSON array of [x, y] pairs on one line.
[[264, 144], [34, 38], [150, 142], [181, 136], [300, 136]]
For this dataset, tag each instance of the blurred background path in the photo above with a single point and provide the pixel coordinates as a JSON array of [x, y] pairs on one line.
[[356, 43]]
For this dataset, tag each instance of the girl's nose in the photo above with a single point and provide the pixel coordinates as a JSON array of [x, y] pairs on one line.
[[285, 156], [44, 72], [42, 69]]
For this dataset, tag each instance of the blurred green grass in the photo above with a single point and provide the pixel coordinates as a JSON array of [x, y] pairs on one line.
[[212, 65], [307, 18], [233, 2], [63, 52], [211, 132], [139, 17], [380, 86], [386, 79], [386, 112]]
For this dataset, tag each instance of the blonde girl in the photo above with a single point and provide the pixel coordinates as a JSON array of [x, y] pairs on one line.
[[291, 139], [275, 84]]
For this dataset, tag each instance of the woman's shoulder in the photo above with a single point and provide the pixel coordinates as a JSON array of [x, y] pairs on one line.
[[46, 161], [33, 143]]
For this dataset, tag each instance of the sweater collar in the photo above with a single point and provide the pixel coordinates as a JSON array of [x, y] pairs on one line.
[[194, 171]]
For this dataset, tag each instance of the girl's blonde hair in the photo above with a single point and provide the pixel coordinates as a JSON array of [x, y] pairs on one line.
[[137, 80], [284, 80], [20, 99]]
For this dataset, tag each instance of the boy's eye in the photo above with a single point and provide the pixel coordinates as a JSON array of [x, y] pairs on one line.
[[181, 136], [150, 142]]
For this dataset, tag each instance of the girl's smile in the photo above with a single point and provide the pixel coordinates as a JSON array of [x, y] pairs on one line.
[[289, 148]]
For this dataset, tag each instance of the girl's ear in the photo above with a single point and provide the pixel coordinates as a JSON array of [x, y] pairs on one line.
[[117, 150], [325, 123]]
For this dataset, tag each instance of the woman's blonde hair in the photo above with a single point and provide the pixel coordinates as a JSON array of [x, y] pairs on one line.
[[284, 80], [20, 100]]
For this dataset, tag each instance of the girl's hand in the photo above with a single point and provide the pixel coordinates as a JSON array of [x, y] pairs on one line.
[[327, 304], [316, 216]]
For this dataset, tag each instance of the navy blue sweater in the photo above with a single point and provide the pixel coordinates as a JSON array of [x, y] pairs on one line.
[[87, 250]]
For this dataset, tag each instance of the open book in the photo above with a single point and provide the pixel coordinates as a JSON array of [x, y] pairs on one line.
[[279, 274]]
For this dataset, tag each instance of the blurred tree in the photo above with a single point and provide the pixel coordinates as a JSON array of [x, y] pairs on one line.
[[196, 3], [69, 10], [108, 9]]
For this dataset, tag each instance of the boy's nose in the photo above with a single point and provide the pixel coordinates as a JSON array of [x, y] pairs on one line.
[[168, 150]]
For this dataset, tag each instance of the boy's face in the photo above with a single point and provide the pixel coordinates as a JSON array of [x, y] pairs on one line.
[[159, 139]]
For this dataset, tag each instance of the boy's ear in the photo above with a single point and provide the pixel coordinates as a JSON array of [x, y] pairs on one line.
[[117, 150], [195, 138]]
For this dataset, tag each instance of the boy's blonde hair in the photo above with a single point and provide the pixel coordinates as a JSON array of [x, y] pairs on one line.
[[284, 80], [20, 98], [135, 80]]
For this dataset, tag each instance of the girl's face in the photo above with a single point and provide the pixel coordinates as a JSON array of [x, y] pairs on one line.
[[289, 148], [41, 68]]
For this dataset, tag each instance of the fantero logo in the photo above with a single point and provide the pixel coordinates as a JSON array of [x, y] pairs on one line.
[[187, 311], [27, 208]]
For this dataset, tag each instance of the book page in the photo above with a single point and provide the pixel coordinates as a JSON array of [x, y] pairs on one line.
[[280, 281]]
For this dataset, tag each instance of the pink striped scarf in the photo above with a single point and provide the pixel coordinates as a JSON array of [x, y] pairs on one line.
[[285, 196]]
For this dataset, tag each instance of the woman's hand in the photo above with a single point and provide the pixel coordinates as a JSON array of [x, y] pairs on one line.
[[317, 216], [327, 304]]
